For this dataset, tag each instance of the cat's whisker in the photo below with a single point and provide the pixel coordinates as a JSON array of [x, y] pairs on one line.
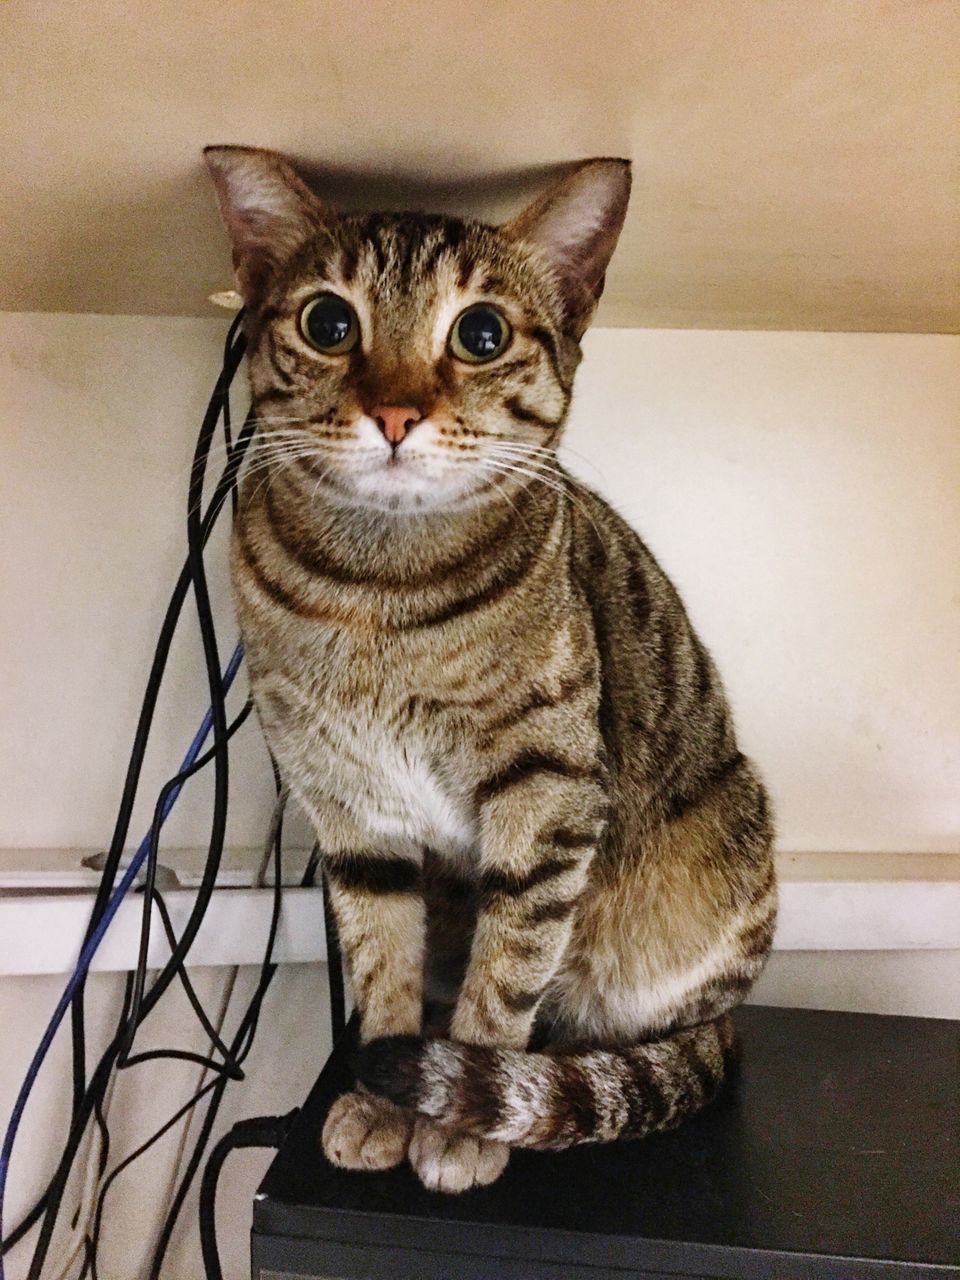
[[270, 467], [542, 465], [541, 451], [505, 468], [285, 448], [269, 475], [582, 457], [320, 480], [542, 458], [553, 483], [268, 441], [546, 457], [218, 460], [258, 423], [506, 496]]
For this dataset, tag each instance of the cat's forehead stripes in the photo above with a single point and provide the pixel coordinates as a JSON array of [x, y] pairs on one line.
[[400, 251], [405, 257]]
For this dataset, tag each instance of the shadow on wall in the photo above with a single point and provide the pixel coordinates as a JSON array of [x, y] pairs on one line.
[[99, 266]]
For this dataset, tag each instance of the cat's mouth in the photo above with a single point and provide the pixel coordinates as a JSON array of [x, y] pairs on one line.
[[398, 468], [411, 480]]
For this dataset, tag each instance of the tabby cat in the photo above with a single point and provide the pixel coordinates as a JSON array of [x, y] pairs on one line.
[[549, 863]]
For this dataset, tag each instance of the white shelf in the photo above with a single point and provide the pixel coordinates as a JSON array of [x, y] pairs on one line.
[[829, 902], [43, 933]]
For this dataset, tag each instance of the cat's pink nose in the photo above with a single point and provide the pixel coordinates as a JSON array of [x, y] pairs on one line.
[[395, 420]]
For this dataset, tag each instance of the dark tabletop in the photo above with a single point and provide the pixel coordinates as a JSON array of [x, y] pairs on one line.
[[835, 1152]]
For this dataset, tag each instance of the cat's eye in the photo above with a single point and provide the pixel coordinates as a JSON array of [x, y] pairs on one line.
[[330, 324], [479, 334]]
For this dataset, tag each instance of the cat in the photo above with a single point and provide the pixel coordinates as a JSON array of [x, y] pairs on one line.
[[549, 863]]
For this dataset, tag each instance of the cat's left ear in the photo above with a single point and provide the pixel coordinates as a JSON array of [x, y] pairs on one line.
[[575, 226], [267, 208]]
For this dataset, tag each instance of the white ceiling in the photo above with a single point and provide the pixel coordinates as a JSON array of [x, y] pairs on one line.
[[796, 161]]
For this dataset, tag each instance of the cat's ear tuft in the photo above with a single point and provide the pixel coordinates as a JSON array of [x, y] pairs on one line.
[[575, 226], [267, 208]]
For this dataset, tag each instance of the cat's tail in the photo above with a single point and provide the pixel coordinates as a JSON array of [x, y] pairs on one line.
[[548, 1101]]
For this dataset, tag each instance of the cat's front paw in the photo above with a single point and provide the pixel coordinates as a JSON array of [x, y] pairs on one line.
[[448, 1161], [363, 1131]]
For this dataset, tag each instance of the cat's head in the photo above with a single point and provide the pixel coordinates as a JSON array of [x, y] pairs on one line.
[[413, 361]]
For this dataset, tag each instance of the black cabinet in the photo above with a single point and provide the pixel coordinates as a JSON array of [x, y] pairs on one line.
[[834, 1154]]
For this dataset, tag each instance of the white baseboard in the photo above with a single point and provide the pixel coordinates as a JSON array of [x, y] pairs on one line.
[[829, 902]]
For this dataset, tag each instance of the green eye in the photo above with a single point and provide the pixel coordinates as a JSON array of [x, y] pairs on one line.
[[330, 324], [479, 334]]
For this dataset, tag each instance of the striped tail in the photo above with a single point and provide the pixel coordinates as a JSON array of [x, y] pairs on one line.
[[546, 1101]]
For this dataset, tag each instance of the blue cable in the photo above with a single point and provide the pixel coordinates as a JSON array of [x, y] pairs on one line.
[[88, 952]]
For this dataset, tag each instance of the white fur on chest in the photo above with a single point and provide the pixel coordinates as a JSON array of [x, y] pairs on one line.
[[386, 779], [404, 796]]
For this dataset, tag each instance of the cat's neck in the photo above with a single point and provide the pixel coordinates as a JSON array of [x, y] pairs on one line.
[[402, 546]]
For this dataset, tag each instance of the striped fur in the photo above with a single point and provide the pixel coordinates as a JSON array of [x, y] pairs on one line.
[[548, 1102], [539, 831]]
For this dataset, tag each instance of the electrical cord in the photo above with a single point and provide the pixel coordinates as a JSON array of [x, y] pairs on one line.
[[90, 1099], [231, 1068], [235, 346], [76, 980], [149, 889], [241, 1046], [237, 1052], [265, 1131], [198, 531], [259, 1131], [90, 1265]]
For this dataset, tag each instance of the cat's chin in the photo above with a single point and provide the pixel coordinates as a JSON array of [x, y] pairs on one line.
[[407, 490]]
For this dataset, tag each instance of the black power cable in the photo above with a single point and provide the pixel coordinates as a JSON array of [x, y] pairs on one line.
[[88, 1096], [265, 1131], [93, 1096], [259, 1131], [238, 1051], [150, 895], [90, 1262], [235, 347], [241, 1046]]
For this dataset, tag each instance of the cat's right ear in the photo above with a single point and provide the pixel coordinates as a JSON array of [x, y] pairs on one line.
[[267, 208]]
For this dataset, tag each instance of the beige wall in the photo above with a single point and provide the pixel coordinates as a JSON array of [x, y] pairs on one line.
[[801, 488], [99, 416], [795, 161]]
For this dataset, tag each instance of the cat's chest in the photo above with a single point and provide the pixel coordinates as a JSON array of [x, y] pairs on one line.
[[365, 748], [397, 786]]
